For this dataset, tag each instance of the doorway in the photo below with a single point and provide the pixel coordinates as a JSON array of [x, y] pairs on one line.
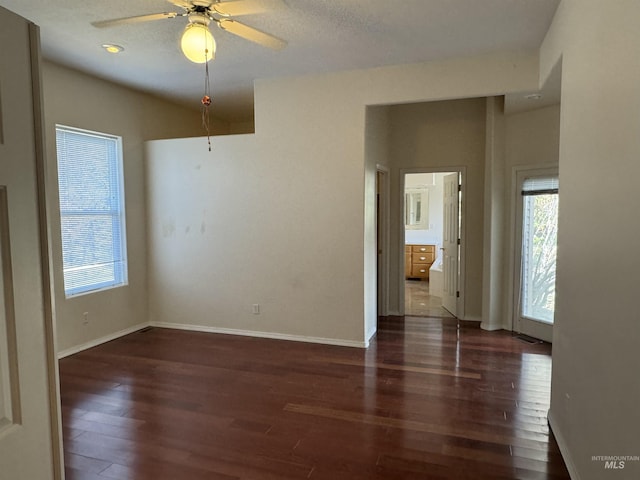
[[431, 220], [535, 256]]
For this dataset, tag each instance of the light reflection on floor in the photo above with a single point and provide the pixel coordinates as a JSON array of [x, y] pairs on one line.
[[532, 389], [418, 301]]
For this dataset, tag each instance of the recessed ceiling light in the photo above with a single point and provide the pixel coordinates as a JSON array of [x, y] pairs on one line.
[[533, 96], [112, 48]]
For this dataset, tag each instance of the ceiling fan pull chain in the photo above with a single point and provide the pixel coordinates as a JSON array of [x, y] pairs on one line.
[[206, 102]]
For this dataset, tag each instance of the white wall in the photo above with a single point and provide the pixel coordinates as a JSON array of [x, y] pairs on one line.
[[78, 100], [595, 389], [287, 211]]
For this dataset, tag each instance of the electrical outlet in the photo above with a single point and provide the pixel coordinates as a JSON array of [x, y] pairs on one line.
[[85, 318], [256, 309]]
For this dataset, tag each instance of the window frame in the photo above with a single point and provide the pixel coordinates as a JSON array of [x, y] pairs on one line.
[[520, 323], [120, 266]]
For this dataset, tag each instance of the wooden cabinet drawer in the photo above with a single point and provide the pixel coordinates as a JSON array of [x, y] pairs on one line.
[[420, 271], [423, 249], [418, 260], [423, 258]]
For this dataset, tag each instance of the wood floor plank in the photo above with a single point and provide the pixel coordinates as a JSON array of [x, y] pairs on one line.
[[86, 464], [406, 367], [427, 400]]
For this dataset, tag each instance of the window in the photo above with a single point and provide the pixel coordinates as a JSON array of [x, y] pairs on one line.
[[92, 214], [539, 245]]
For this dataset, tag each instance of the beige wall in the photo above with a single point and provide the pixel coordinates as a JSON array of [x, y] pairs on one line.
[[376, 154], [239, 128], [78, 100], [494, 214], [247, 224], [532, 141], [283, 218], [441, 135], [532, 138], [595, 391]]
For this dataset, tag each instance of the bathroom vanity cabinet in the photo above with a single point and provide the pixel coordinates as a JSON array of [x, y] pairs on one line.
[[418, 260]]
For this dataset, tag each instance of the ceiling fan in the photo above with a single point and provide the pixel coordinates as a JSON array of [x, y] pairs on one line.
[[197, 42]]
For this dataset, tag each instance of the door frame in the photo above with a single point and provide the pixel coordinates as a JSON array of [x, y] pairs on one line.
[[382, 239], [400, 232], [51, 350], [47, 377], [519, 174]]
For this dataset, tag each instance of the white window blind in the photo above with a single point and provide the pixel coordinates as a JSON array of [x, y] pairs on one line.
[[540, 185], [92, 214]]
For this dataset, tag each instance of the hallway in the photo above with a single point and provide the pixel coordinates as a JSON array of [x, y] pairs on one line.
[[419, 303]]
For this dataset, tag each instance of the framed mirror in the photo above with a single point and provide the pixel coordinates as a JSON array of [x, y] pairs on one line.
[[416, 209]]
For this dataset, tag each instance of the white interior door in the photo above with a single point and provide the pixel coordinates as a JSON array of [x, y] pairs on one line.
[[535, 260], [450, 243], [26, 439]]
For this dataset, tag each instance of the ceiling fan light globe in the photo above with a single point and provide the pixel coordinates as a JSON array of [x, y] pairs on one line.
[[197, 43]]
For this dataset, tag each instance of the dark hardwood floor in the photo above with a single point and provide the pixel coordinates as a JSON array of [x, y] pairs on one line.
[[426, 401]]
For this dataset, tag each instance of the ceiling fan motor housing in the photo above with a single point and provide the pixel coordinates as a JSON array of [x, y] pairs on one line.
[[201, 18], [202, 3]]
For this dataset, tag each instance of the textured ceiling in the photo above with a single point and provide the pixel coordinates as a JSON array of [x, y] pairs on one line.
[[322, 36]]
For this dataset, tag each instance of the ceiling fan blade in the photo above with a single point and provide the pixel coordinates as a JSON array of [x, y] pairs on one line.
[[181, 3], [235, 8], [251, 34], [137, 19]]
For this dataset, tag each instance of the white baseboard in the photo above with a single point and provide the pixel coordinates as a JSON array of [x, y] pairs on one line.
[[370, 335], [101, 340], [253, 333], [488, 327], [564, 448]]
